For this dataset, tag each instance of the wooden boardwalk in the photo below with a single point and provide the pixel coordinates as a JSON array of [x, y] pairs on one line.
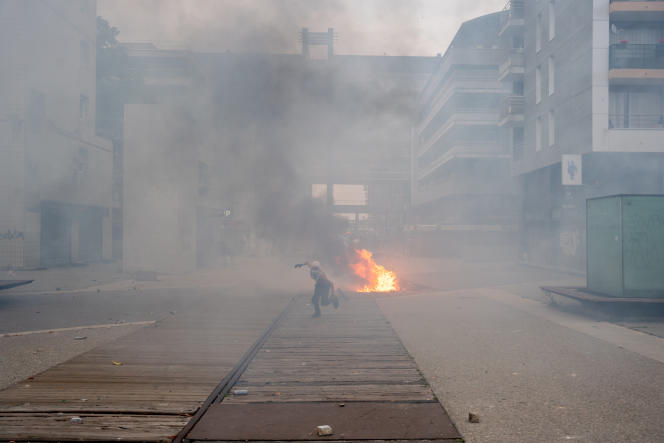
[[166, 372], [349, 354], [347, 367]]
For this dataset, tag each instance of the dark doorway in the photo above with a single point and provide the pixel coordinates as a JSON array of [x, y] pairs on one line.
[[55, 237]]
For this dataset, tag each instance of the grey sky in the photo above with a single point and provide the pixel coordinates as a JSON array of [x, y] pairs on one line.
[[394, 27]]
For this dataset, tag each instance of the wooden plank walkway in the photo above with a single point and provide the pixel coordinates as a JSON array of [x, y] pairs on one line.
[[167, 371], [349, 354], [349, 357]]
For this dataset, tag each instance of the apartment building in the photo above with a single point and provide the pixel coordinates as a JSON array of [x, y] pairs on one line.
[[590, 120], [463, 194], [55, 173]]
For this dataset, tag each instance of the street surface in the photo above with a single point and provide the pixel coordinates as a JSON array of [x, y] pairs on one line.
[[482, 334], [532, 372]]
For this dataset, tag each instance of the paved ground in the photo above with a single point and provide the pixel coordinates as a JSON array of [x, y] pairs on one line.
[[481, 333], [532, 372], [99, 295]]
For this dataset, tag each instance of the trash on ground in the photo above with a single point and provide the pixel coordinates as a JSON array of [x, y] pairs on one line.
[[80, 337], [324, 430], [473, 418], [76, 420], [117, 363], [240, 392], [341, 405]]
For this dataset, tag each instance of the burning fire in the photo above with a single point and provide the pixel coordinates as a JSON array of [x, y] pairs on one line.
[[377, 277]]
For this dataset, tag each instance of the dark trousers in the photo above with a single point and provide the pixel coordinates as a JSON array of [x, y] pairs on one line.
[[321, 292]]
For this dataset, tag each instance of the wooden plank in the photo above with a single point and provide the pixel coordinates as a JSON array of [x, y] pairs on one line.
[[167, 371], [348, 355], [95, 427]]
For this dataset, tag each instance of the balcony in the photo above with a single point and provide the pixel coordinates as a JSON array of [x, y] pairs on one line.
[[513, 68], [512, 110], [470, 151], [513, 19], [636, 121], [460, 117], [636, 63], [635, 10]]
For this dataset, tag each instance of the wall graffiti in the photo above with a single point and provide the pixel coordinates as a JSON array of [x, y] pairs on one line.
[[570, 242]]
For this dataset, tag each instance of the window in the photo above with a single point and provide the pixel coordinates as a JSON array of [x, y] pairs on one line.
[[517, 42], [37, 112], [84, 107], [552, 19], [552, 76], [203, 178], [538, 134], [517, 142], [538, 84], [83, 160], [517, 88], [85, 52], [552, 128], [538, 33]]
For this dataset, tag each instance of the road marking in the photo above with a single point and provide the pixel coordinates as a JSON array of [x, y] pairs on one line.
[[77, 328], [646, 345]]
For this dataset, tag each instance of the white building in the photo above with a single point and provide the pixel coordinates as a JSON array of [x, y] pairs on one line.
[[55, 173], [463, 195], [592, 75]]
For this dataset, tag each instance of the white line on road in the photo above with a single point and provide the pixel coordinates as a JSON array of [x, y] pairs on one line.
[[77, 328]]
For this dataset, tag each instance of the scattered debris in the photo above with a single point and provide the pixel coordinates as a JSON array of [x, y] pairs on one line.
[[473, 418], [117, 363], [31, 378], [277, 394], [173, 312], [80, 337], [84, 399], [324, 430], [76, 420], [240, 392]]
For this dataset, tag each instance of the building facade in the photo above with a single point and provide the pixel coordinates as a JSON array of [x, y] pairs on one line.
[[55, 173], [264, 131], [463, 194], [590, 121]]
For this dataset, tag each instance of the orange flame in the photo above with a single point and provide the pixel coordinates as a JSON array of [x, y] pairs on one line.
[[377, 277]]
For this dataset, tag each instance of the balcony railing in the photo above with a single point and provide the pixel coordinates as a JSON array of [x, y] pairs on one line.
[[515, 7], [636, 56], [515, 11], [636, 121], [512, 105]]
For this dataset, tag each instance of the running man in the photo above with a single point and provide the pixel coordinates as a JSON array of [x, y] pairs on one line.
[[323, 289]]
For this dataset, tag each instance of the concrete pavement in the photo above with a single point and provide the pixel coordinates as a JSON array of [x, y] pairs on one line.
[[532, 372]]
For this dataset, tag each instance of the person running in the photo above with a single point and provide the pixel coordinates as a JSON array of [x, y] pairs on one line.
[[323, 289]]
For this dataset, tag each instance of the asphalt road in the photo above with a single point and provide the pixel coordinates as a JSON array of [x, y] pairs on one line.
[[531, 372], [25, 312]]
